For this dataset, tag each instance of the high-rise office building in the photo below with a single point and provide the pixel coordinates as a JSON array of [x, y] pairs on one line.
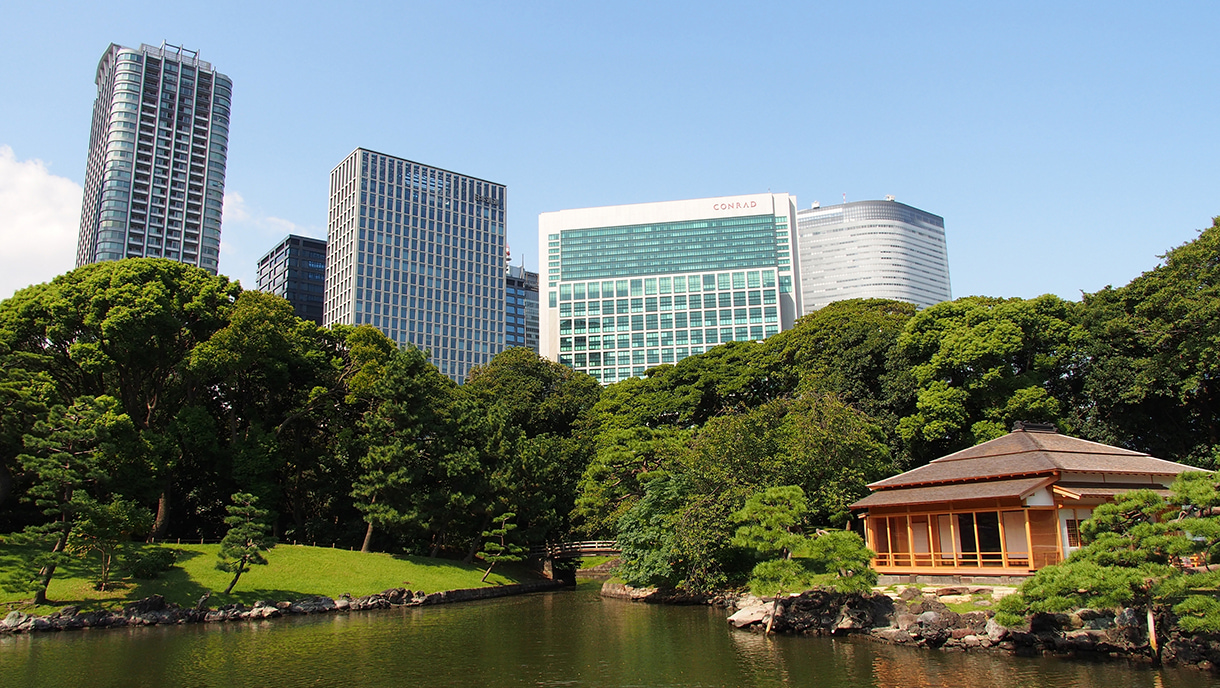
[[871, 249], [521, 308], [633, 286], [155, 176], [417, 252], [296, 270]]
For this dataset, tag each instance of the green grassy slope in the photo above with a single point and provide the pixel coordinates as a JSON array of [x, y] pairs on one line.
[[293, 572]]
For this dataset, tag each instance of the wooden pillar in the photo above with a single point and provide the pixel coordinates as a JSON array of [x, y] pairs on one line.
[[1003, 540], [978, 548], [953, 537], [1029, 540], [910, 541]]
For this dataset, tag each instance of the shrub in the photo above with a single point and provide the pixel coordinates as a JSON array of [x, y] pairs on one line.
[[150, 562]]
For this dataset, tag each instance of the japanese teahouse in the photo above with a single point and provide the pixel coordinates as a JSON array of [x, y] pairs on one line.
[[1006, 507]]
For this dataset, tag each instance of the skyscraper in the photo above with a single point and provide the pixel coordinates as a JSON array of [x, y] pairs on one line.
[[633, 286], [296, 270], [521, 308], [155, 175], [872, 249], [417, 252]]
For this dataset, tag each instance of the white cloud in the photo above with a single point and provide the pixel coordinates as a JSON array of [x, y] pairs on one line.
[[247, 233], [39, 222], [235, 209]]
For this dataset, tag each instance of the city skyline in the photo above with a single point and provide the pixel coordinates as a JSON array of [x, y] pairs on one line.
[[1015, 125]]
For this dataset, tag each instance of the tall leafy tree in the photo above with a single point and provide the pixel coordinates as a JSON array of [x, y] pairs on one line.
[[982, 363], [410, 473], [1154, 357], [123, 329]]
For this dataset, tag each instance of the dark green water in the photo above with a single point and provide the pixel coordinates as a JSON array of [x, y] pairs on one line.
[[555, 639]]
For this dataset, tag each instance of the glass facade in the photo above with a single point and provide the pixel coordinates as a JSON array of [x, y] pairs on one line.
[[872, 249], [623, 298], [155, 175], [418, 252], [296, 270], [521, 308]]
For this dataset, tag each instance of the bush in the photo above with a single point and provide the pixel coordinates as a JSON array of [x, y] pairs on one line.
[[150, 562]]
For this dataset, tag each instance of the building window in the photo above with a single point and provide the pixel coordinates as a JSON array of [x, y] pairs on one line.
[[1073, 532]]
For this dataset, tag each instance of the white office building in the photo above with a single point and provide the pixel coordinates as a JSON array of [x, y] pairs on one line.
[[417, 252], [634, 286], [871, 249]]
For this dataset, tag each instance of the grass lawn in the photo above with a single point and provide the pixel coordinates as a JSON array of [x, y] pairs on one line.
[[293, 572], [590, 562]]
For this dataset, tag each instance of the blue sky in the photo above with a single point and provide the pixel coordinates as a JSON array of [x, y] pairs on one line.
[[1066, 145]]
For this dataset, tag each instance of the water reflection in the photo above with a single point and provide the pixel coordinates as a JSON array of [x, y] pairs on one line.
[[559, 639]]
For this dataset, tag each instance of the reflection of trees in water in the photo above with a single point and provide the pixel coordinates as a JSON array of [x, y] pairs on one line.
[[905, 666], [802, 661]]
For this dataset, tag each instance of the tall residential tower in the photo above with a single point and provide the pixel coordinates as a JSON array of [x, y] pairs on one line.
[[874, 250], [417, 252], [632, 286], [155, 176]]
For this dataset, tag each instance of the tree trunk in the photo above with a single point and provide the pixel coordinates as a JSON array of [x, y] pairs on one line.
[[771, 619], [368, 538], [6, 484], [161, 523], [488, 572], [241, 568], [1152, 641], [46, 572]]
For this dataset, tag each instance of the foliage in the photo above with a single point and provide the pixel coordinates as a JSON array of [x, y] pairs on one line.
[[247, 539], [982, 363], [72, 451], [103, 529], [771, 521], [149, 562], [1132, 556], [498, 548], [647, 534], [1153, 379]]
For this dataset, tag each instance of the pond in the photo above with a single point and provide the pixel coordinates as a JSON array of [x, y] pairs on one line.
[[549, 639]]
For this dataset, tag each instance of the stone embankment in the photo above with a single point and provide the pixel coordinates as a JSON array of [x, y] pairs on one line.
[[154, 610], [922, 619]]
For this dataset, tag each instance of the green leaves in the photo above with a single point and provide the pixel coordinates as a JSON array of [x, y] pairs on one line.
[[243, 545]]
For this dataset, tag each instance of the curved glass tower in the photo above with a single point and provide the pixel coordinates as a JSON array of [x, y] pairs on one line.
[[871, 249], [155, 176]]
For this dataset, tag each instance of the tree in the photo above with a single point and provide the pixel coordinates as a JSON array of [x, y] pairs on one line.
[[123, 329], [498, 548], [73, 450], [247, 539], [103, 529], [1133, 556], [982, 363], [409, 472], [1154, 358]]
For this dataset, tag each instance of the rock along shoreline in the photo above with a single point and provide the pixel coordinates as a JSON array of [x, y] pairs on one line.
[[918, 619], [155, 611]]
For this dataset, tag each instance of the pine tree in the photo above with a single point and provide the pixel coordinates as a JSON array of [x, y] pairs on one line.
[[247, 539]]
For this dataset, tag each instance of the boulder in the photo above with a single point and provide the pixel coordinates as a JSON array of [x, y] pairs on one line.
[[894, 635], [749, 615], [152, 603], [995, 632], [952, 590], [14, 619], [312, 605]]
